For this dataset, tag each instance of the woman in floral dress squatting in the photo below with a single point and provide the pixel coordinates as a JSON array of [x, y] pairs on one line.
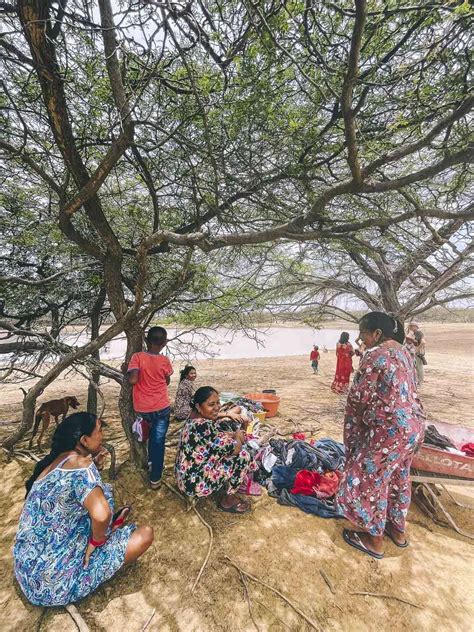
[[383, 427], [210, 459]]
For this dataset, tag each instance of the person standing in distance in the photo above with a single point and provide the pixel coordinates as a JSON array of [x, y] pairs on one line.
[[149, 373]]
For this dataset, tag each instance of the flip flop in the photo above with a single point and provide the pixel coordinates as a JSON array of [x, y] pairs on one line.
[[155, 484], [358, 544], [117, 519], [233, 509], [400, 546]]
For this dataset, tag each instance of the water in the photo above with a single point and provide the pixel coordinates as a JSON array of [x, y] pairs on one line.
[[225, 344]]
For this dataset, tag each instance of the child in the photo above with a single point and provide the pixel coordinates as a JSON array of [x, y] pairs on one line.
[[314, 357], [184, 393], [149, 372]]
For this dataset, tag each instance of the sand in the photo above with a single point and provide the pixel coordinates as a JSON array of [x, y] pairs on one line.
[[280, 545]]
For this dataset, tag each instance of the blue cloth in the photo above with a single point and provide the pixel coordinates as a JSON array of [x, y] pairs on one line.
[[323, 508], [325, 456], [52, 539], [159, 420]]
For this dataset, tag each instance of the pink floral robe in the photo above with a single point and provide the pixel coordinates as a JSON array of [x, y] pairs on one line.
[[383, 426]]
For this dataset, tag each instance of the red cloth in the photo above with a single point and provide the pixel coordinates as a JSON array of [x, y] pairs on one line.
[[314, 355], [468, 449], [310, 483], [344, 353], [299, 435], [150, 393]]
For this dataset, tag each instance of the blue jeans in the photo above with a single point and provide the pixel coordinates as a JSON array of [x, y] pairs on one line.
[[159, 421]]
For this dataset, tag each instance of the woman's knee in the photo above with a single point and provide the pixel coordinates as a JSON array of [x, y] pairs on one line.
[[146, 535]]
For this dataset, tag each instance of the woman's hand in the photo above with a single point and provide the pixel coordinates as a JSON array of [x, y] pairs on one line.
[[239, 435], [90, 549], [99, 458]]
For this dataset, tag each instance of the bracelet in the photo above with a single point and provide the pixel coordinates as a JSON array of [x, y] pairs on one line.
[[97, 542]]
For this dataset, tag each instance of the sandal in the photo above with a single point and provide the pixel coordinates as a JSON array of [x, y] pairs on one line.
[[155, 484], [402, 545], [234, 509], [119, 516], [352, 538]]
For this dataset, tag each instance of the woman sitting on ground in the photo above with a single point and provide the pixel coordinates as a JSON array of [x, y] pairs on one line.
[[184, 393], [383, 427], [210, 459], [68, 540]]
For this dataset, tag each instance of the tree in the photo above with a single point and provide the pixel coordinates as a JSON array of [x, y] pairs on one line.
[[162, 133]]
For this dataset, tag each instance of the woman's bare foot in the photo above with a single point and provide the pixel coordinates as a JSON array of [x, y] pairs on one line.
[[232, 504]]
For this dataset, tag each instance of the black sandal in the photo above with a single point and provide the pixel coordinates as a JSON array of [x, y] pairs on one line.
[[353, 539]]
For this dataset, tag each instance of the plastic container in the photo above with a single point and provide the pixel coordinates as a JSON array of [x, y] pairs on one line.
[[227, 397], [269, 402], [271, 391]]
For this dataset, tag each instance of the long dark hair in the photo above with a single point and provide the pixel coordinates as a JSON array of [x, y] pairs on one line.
[[344, 338], [183, 374], [201, 395], [65, 438], [391, 328]]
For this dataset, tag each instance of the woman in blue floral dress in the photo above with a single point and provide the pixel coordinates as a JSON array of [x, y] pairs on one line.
[[68, 542], [382, 429], [209, 458]]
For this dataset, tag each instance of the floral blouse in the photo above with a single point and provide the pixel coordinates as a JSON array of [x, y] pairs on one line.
[[184, 393]]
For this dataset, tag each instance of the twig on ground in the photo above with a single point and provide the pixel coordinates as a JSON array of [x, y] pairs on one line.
[[77, 618], [329, 583], [260, 603], [384, 596], [149, 620], [314, 625], [39, 620], [249, 602], [127, 491], [208, 527]]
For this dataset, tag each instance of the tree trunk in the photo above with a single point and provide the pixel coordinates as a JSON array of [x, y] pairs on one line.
[[95, 372], [138, 451]]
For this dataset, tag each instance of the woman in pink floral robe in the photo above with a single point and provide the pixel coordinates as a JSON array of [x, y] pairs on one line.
[[209, 458], [382, 429]]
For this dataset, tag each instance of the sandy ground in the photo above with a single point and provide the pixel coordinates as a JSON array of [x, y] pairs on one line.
[[281, 546]]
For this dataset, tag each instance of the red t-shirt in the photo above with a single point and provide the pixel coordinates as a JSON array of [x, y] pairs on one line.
[[314, 355], [150, 393]]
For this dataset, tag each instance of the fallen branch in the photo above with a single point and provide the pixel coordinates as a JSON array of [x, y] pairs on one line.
[[76, 616], [249, 602], [260, 603], [384, 596], [328, 581], [149, 620], [208, 527], [314, 625]]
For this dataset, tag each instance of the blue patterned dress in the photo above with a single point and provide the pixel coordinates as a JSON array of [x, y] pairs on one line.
[[52, 539]]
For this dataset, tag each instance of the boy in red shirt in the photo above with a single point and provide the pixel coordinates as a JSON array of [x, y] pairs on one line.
[[314, 357], [149, 372]]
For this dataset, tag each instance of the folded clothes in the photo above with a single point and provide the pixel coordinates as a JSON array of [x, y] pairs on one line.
[[315, 484], [468, 449]]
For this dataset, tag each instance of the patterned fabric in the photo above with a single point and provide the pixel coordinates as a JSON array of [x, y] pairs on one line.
[[52, 539], [344, 353], [205, 462], [382, 428], [184, 392]]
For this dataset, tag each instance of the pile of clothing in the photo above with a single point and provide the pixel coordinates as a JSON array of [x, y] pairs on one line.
[[302, 475], [434, 438]]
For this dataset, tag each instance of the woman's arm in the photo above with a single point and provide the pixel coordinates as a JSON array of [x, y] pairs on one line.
[[100, 514]]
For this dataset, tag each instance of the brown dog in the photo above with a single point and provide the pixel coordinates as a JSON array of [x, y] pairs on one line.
[[53, 408]]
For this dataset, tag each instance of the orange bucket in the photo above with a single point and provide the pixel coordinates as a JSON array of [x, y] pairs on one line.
[[269, 402]]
